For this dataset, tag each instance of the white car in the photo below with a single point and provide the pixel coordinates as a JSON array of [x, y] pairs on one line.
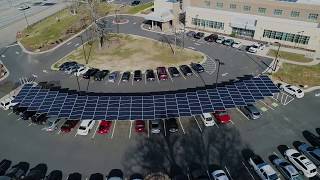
[[220, 39], [110, 1], [236, 44], [255, 47], [301, 162], [52, 124], [219, 175], [292, 90], [23, 7], [207, 119], [81, 70], [85, 127], [7, 103]]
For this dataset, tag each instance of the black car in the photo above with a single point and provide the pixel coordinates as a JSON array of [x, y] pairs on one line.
[[172, 125], [186, 70], [150, 75], [28, 114], [74, 176], [100, 75], [39, 118], [115, 173], [89, 73], [18, 110], [313, 139], [66, 65], [18, 171], [137, 75], [173, 72], [4, 166], [198, 35], [54, 175], [197, 67], [96, 176], [136, 176], [135, 3], [125, 76], [211, 38], [199, 174], [191, 33], [37, 173]]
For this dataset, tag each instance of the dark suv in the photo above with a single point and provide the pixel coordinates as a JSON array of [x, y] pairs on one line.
[[18, 171], [28, 114], [150, 75], [137, 76], [39, 118], [197, 67], [186, 70], [36, 173], [89, 73], [172, 125], [211, 38], [173, 71], [125, 76], [198, 35], [100, 75]]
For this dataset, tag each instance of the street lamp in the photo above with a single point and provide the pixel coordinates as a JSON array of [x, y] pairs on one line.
[[276, 61], [219, 64]]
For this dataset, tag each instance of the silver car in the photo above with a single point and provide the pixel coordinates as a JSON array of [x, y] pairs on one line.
[[251, 111], [155, 126], [52, 124], [286, 169]]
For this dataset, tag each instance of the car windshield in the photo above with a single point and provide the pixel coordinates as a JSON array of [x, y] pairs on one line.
[[295, 155], [155, 125], [220, 174], [209, 119], [299, 91], [82, 128], [256, 113], [273, 177]]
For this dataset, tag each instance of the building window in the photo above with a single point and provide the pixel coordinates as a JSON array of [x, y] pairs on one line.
[[207, 23], [313, 16], [277, 12], [246, 8], [233, 6], [289, 37], [207, 3], [262, 10], [219, 5], [295, 13]]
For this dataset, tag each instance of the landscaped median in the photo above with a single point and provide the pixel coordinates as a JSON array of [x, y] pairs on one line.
[[289, 56], [128, 52]]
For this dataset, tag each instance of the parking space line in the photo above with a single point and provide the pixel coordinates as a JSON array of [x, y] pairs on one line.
[[130, 131], [266, 104], [181, 73], [228, 172], [170, 77], [114, 126], [30, 124], [164, 127], [148, 128], [18, 119], [275, 153], [145, 78], [248, 171], [197, 123], [232, 122], [181, 126], [157, 77], [208, 174], [95, 132], [120, 77], [132, 80], [195, 73], [10, 113], [243, 114]]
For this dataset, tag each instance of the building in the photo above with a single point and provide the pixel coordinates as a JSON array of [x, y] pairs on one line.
[[295, 23]]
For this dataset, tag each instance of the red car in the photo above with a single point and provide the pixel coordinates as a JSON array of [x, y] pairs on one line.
[[162, 73], [69, 125], [222, 116], [139, 126], [104, 127]]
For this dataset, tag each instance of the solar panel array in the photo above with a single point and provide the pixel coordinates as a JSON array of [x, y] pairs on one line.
[[158, 105]]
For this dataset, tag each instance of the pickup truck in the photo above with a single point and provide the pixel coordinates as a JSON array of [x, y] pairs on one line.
[[264, 170]]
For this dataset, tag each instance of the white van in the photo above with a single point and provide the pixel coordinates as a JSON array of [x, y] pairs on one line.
[[7, 103], [208, 119], [85, 127]]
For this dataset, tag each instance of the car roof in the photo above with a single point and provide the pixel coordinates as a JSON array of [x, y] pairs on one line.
[[206, 115], [291, 169], [85, 122], [268, 169]]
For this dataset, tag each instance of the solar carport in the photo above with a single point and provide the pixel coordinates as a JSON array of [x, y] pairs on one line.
[[70, 104]]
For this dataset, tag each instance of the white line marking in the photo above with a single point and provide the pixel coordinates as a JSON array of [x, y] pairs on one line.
[[95, 132], [190, 47], [181, 126], [164, 127], [170, 77], [69, 43], [228, 172], [275, 153], [17, 52], [120, 79], [208, 174], [3, 56], [197, 123], [243, 114], [18, 119], [197, 44], [11, 45], [130, 130], [248, 171], [266, 104], [232, 122], [157, 78], [224, 74], [114, 126], [10, 113], [76, 45], [59, 131], [30, 125], [148, 128]]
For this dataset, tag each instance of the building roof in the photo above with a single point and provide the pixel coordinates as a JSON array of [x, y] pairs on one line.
[[160, 15]]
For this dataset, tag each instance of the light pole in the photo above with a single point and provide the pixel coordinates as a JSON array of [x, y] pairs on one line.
[[219, 64], [276, 61]]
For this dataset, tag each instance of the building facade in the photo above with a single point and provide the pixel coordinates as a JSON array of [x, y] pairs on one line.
[[295, 24]]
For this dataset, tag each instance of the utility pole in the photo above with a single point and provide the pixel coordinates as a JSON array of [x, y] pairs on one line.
[[219, 64], [276, 61]]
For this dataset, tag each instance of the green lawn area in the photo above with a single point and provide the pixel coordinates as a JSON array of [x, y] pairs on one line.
[[289, 56], [299, 75], [138, 8]]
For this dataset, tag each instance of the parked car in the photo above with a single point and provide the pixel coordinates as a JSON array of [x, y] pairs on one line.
[[301, 162], [115, 174], [52, 124], [236, 44], [228, 42], [313, 139], [81, 70], [172, 125], [96, 176], [39, 118], [139, 126], [66, 65], [207, 119], [74, 176], [250, 111], [4, 166], [71, 69], [292, 90], [18, 110], [104, 127], [69, 125], [91, 72], [135, 3], [155, 126], [28, 114], [186, 70], [162, 73], [100, 75], [137, 75], [191, 33], [220, 39], [136, 176], [198, 35], [150, 75], [262, 169], [313, 153], [255, 47], [125, 76], [54, 175], [198, 174], [7, 103], [222, 117], [85, 127], [113, 77], [211, 38], [197, 67], [219, 175], [23, 7], [173, 72], [288, 171], [18, 171], [37, 173]]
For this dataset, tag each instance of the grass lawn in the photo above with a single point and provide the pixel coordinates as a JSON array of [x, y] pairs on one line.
[[299, 75], [126, 52], [138, 8], [289, 56]]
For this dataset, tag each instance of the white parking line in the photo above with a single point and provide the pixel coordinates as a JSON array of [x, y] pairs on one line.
[[275, 153], [148, 127], [18, 119], [130, 131], [190, 47], [208, 174], [76, 45], [95, 132], [114, 126], [145, 78], [266, 104], [69, 43], [243, 114], [120, 79], [10, 113], [17, 52], [194, 72], [197, 123], [170, 77], [248, 170], [132, 81], [232, 122], [30, 124], [181, 73], [181, 125], [158, 78], [164, 127], [228, 172]]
